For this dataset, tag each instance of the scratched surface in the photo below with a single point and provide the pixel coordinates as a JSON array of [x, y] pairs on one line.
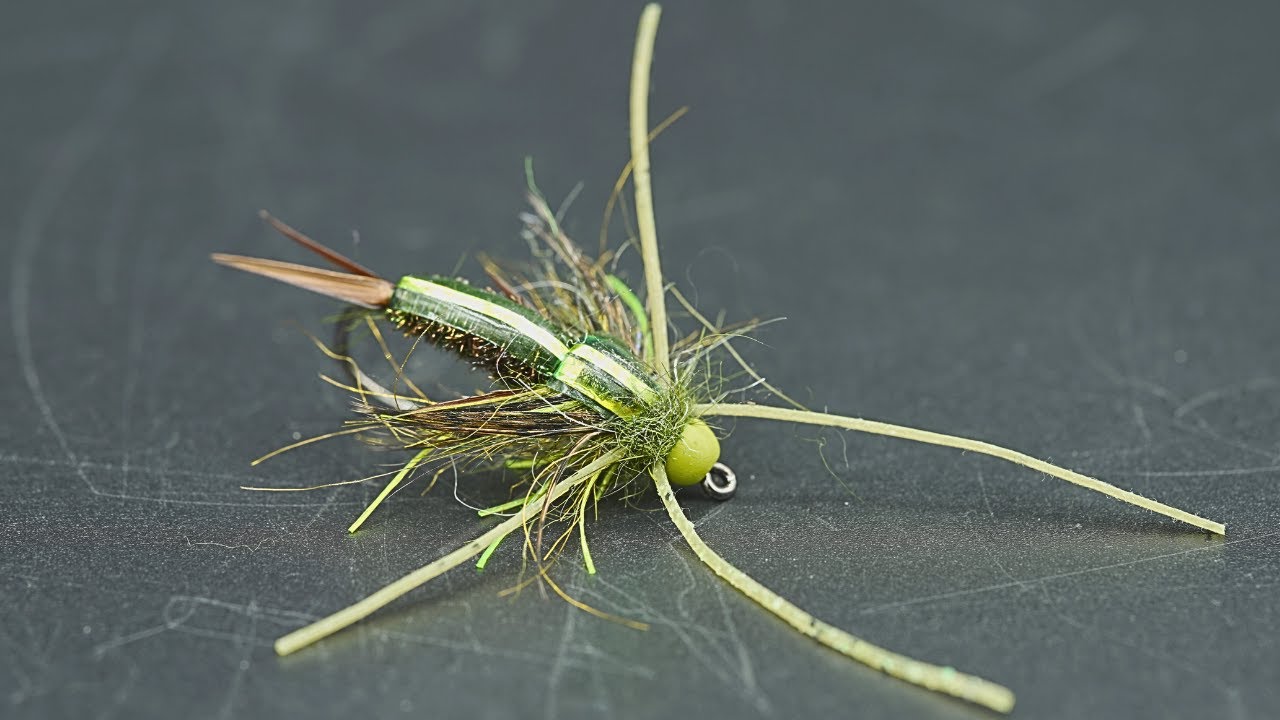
[[1048, 225]]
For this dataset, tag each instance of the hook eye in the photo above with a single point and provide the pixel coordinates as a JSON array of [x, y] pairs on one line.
[[720, 483]]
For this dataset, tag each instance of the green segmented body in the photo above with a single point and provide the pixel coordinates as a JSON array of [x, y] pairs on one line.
[[521, 344]]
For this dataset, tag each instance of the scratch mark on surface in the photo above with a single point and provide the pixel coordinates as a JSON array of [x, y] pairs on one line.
[[178, 611], [1095, 359], [1087, 54], [982, 488], [242, 667], [1202, 673], [134, 352], [704, 642], [1056, 576], [556, 673], [1210, 472], [80, 465], [1140, 419], [746, 669], [147, 46], [250, 548], [1217, 394]]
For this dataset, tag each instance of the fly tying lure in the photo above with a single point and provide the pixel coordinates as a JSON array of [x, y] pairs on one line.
[[587, 396]]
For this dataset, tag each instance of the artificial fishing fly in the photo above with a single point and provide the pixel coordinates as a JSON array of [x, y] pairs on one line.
[[587, 395]]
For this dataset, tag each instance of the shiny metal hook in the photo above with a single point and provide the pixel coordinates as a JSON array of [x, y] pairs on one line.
[[720, 483]]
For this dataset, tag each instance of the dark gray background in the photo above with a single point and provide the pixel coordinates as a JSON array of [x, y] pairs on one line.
[[1050, 225]]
